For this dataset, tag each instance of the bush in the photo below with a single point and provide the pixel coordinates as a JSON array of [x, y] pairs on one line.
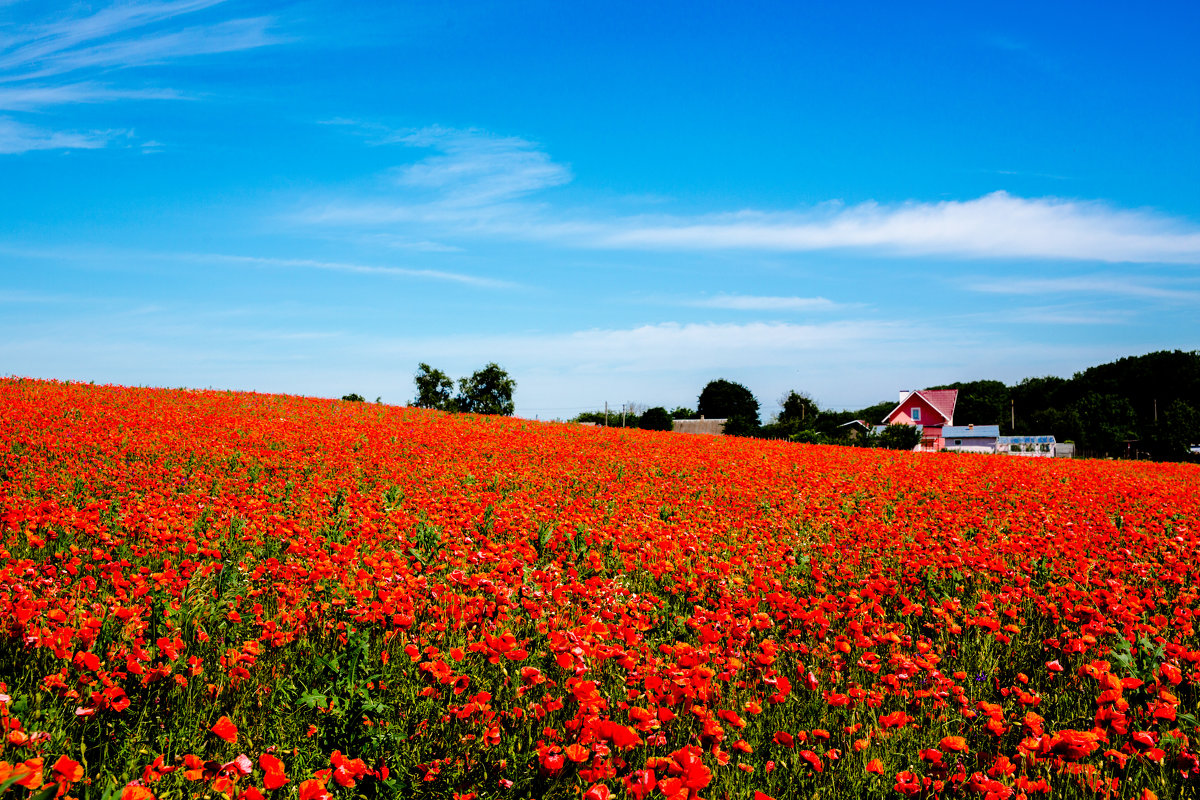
[[656, 419]]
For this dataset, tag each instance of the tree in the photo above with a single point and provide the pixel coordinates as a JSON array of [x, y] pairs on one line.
[[434, 389], [487, 391], [722, 399], [896, 437], [1108, 423], [981, 403], [353, 398], [656, 419], [1171, 437], [873, 415], [797, 410]]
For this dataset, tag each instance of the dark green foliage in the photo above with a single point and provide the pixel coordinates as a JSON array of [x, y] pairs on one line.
[[797, 410], [611, 418], [1141, 406], [895, 437], [797, 420], [741, 426], [353, 398], [486, 391], [434, 389], [656, 419], [980, 403], [872, 414], [684, 413], [722, 399], [1177, 428]]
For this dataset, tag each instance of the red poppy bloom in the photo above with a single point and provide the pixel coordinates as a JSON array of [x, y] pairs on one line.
[[225, 729]]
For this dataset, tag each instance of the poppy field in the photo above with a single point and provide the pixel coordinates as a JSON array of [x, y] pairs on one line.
[[215, 594]]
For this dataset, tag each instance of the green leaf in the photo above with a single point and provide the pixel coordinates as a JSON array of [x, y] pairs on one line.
[[314, 699], [48, 791], [8, 784]]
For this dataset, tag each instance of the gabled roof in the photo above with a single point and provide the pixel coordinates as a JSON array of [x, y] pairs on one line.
[[943, 400]]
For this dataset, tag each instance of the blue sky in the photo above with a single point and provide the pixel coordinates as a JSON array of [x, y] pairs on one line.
[[614, 201]]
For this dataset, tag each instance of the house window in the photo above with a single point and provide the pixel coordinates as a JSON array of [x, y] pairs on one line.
[[915, 414], [958, 442]]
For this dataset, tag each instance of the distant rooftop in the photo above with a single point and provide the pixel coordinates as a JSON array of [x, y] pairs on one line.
[[970, 431]]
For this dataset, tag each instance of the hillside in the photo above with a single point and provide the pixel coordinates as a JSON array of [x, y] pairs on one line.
[[217, 593]]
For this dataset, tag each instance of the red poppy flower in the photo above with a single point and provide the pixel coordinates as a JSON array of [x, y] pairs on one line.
[[225, 729]]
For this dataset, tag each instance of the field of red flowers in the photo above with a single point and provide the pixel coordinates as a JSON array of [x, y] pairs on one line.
[[210, 594]]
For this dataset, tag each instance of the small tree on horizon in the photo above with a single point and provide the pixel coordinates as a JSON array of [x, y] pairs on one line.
[[656, 419], [487, 391], [722, 399], [434, 389]]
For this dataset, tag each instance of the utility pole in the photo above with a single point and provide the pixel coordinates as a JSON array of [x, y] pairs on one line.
[[622, 415], [1156, 409], [1012, 407], [606, 413]]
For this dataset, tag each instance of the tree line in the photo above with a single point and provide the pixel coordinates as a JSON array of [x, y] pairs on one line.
[[1137, 407], [799, 419], [1142, 406]]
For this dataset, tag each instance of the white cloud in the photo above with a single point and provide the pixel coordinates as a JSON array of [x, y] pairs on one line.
[[997, 225], [116, 35], [51, 64], [476, 169], [1074, 314], [480, 185], [741, 302], [222, 37], [1086, 285], [16, 137], [341, 266], [25, 98]]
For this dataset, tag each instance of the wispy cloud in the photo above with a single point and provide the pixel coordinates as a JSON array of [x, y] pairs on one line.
[[362, 269], [1073, 314], [1087, 285], [222, 37], [742, 302], [26, 98], [469, 168], [480, 185], [22, 297], [16, 137], [75, 57], [997, 225], [474, 169]]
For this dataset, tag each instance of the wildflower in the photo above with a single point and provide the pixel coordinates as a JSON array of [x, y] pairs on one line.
[[225, 729]]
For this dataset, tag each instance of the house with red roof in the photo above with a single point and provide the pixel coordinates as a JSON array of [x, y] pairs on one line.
[[929, 409]]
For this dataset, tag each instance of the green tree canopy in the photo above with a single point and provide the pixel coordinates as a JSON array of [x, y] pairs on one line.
[[980, 403], [797, 410], [487, 391], [896, 437], [656, 419], [434, 389], [722, 399]]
